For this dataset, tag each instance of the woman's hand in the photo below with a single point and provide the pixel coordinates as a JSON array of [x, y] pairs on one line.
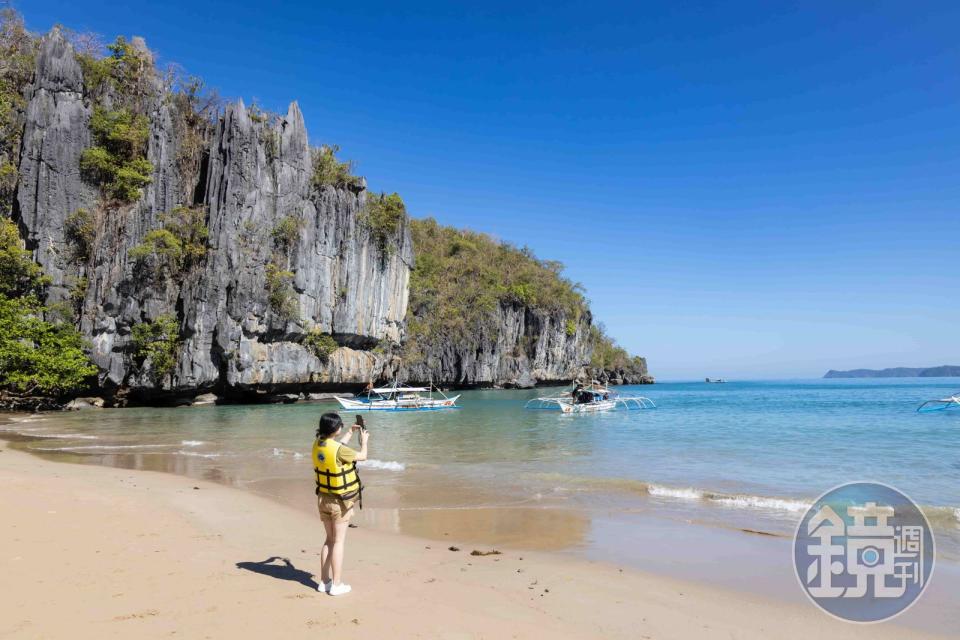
[[364, 436]]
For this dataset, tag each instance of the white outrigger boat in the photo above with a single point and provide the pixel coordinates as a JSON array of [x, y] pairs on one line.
[[950, 402], [398, 398], [590, 399]]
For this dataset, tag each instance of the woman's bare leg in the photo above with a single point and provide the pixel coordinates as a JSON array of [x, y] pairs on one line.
[[325, 555], [336, 551]]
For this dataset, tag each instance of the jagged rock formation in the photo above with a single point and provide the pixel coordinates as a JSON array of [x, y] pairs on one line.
[[519, 348], [524, 347], [249, 176]]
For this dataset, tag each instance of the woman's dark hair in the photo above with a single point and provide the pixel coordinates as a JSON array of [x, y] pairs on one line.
[[330, 423]]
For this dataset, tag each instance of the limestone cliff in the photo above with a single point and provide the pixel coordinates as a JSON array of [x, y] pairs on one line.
[[247, 175], [485, 313], [254, 173]]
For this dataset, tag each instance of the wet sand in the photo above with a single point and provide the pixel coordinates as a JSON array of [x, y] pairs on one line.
[[102, 552]]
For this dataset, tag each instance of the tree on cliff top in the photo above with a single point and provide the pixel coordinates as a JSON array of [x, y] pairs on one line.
[[610, 356]]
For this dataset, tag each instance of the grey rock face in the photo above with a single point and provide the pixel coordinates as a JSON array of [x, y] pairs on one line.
[[55, 134], [521, 347], [342, 284]]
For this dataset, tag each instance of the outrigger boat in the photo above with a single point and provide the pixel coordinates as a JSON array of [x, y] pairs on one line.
[[950, 402], [590, 399], [399, 398]]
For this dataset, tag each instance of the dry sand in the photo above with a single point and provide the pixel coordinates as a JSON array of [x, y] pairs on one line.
[[93, 552]]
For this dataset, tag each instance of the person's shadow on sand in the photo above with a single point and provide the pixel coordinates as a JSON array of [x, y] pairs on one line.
[[285, 571]]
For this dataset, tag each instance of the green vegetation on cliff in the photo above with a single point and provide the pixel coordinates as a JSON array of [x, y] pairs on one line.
[[610, 356], [320, 344], [36, 356], [124, 73], [179, 245], [383, 216], [118, 163], [461, 276], [328, 171], [157, 342]]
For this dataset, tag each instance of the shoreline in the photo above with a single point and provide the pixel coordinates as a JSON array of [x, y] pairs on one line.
[[178, 556], [296, 393], [406, 508]]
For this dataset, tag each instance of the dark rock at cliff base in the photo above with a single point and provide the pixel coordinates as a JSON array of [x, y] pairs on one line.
[[325, 397], [78, 404], [206, 399]]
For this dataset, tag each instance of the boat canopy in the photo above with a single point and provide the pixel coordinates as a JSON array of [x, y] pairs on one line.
[[399, 389]]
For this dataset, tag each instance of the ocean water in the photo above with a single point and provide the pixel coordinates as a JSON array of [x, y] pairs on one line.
[[739, 456]]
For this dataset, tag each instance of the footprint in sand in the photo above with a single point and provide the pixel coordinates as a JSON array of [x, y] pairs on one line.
[[134, 616]]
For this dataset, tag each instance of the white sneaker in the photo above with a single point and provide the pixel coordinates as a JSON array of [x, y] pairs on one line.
[[324, 587], [339, 589]]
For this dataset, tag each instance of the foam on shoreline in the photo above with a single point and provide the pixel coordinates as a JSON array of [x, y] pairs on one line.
[[386, 465]]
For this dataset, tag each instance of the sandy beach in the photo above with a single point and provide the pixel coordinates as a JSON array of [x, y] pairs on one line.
[[99, 552]]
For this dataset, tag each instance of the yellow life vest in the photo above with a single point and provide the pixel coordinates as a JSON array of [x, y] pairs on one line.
[[334, 478]]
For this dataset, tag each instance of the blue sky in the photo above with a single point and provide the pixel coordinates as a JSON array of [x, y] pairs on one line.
[[745, 189]]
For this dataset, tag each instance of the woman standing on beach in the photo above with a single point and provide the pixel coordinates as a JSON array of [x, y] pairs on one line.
[[338, 486]]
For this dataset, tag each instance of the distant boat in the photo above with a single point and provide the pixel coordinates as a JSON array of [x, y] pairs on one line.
[[590, 399], [942, 404], [399, 398], [715, 380]]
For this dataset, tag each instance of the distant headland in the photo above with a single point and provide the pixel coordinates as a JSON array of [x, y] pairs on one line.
[[943, 371]]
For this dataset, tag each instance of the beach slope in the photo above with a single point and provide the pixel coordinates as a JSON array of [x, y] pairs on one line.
[[93, 552]]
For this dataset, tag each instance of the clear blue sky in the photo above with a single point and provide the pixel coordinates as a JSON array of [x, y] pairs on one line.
[[753, 189]]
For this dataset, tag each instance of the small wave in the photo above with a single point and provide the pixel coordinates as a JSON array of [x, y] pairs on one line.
[[31, 418], [942, 516], [106, 447], [67, 436], [759, 502], [671, 492], [195, 454], [283, 453], [192, 443], [388, 465]]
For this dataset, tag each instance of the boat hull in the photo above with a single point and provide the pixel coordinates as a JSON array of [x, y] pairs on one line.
[[588, 407], [411, 404], [564, 404]]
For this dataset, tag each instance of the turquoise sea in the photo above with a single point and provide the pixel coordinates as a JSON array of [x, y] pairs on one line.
[[740, 455]]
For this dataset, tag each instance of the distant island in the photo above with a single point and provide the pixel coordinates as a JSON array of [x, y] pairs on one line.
[[944, 371]]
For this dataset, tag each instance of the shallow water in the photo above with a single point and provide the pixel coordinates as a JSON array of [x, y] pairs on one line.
[[741, 455]]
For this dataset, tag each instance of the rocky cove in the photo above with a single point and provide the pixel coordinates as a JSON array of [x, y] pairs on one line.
[[290, 285]]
